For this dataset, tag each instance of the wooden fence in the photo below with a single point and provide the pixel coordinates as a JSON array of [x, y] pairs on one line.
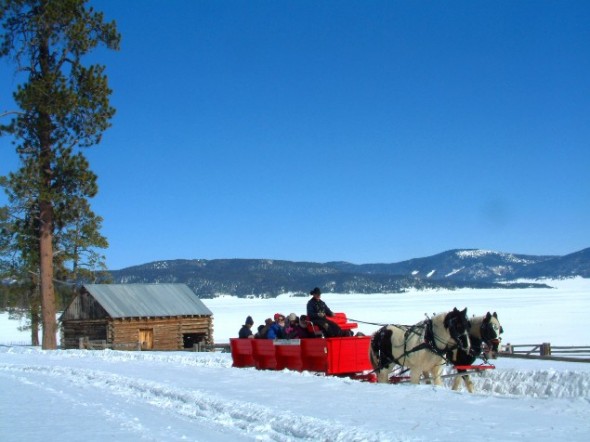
[[87, 344], [569, 353], [223, 348]]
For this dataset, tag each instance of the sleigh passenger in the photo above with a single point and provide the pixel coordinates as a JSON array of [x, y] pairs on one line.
[[277, 329], [263, 329], [246, 330], [297, 327]]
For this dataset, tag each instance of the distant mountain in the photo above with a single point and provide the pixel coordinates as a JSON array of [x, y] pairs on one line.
[[574, 264], [459, 265], [268, 278]]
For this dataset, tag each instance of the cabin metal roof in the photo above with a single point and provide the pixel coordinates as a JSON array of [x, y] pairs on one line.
[[147, 300]]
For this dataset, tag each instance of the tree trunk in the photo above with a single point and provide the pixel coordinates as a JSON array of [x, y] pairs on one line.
[[46, 269], [34, 324], [46, 208]]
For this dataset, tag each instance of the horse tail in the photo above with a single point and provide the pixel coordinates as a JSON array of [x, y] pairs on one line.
[[374, 350], [374, 359], [380, 352]]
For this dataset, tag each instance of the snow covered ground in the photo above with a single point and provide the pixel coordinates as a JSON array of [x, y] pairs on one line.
[[166, 396]]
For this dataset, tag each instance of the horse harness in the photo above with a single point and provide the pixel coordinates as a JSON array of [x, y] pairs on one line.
[[385, 356]]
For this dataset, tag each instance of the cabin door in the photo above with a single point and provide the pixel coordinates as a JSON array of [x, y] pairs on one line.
[[146, 338]]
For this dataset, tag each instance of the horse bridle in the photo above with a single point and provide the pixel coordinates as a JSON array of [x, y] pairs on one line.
[[488, 332], [458, 328]]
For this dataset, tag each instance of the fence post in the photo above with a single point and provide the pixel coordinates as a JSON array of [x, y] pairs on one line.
[[546, 349]]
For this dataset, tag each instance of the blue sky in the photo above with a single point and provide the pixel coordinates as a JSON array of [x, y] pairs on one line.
[[362, 131]]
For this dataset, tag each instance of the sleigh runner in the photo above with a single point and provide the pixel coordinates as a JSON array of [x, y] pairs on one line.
[[400, 376]]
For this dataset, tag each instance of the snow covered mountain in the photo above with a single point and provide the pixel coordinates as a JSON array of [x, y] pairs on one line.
[[452, 269], [489, 266], [486, 266]]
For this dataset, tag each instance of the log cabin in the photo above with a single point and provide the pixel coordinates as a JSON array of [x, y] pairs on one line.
[[137, 316]]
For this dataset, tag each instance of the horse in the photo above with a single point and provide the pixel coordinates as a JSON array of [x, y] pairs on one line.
[[422, 347], [485, 330]]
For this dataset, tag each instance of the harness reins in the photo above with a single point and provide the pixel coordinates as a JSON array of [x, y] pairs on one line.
[[365, 322]]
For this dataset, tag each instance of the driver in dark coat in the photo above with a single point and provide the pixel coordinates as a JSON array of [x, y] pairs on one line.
[[317, 311]]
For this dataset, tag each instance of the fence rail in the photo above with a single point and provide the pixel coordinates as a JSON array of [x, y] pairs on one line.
[[16, 344], [571, 353], [224, 348], [87, 344]]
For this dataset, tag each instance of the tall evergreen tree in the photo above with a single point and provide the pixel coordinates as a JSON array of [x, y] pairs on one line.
[[62, 106]]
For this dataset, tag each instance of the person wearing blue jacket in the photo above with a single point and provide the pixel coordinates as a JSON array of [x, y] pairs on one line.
[[277, 329]]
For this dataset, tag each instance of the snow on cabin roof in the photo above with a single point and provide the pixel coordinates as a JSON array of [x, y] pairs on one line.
[[147, 300]]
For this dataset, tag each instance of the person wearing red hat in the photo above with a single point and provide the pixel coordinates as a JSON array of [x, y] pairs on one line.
[[277, 329]]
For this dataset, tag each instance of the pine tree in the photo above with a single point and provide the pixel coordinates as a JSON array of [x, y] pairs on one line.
[[63, 106]]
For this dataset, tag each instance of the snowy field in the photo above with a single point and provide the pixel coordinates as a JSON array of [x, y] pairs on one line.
[[168, 396]]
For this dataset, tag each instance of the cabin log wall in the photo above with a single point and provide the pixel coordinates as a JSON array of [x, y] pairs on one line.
[[167, 331], [72, 331]]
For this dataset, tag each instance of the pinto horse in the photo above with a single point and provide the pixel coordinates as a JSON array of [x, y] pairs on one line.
[[423, 347], [485, 330]]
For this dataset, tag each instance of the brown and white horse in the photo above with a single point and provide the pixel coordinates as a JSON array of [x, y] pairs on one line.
[[485, 330], [423, 347]]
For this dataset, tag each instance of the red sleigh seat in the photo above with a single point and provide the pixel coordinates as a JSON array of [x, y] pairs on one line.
[[338, 318]]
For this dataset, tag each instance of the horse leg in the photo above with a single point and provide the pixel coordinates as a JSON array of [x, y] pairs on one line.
[[468, 383], [457, 382], [383, 375], [458, 378], [427, 377], [415, 376], [436, 373]]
